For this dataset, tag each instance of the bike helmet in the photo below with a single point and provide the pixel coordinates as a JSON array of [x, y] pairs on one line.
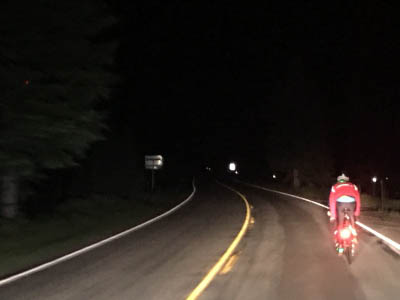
[[343, 178]]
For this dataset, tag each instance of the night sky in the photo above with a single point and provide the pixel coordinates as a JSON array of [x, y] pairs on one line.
[[208, 81]]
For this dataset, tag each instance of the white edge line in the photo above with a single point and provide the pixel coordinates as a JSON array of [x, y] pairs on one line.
[[286, 194], [392, 244], [95, 245]]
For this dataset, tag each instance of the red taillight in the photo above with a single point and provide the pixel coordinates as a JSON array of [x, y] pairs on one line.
[[345, 233]]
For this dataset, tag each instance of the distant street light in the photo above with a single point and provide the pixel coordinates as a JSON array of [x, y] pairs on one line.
[[274, 176], [374, 179], [232, 167], [236, 172]]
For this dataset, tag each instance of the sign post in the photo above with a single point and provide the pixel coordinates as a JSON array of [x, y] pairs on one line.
[[152, 179], [153, 162]]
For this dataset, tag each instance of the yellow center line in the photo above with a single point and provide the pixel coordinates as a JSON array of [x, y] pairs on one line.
[[221, 262]]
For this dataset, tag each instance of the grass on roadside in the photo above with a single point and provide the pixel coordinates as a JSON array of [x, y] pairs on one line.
[[75, 224]]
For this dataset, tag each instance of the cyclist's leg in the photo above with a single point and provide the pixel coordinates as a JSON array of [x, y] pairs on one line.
[[334, 229], [352, 207], [340, 215]]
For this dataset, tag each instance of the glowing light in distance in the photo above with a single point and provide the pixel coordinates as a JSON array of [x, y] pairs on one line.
[[274, 176], [232, 166], [374, 179]]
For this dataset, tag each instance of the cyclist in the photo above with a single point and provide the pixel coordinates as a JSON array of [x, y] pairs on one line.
[[344, 195]]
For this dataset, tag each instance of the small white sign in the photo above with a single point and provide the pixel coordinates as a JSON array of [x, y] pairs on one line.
[[153, 162]]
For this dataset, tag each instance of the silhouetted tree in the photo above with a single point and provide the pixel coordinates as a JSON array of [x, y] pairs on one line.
[[54, 68]]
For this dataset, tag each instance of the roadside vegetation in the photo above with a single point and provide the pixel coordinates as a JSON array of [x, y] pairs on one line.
[[26, 242], [70, 173]]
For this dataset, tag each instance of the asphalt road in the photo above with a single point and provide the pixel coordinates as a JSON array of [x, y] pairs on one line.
[[286, 254]]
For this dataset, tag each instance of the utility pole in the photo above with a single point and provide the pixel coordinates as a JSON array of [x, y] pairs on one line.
[[373, 180], [382, 194]]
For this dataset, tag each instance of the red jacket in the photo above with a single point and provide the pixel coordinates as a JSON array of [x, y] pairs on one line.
[[344, 189]]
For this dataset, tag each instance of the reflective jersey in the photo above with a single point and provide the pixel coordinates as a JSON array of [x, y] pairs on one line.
[[344, 192]]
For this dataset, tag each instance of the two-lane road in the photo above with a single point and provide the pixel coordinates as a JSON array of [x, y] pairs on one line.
[[165, 260], [286, 254]]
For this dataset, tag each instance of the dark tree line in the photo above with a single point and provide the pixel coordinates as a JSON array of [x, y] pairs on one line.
[[54, 70]]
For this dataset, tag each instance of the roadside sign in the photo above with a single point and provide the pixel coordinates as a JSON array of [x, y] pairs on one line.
[[153, 162]]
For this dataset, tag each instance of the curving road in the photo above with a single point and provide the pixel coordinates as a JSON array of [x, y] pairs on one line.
[[286, 254]]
